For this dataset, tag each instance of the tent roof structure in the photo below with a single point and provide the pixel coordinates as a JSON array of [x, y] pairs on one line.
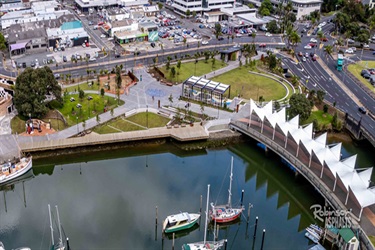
[[356, 181]]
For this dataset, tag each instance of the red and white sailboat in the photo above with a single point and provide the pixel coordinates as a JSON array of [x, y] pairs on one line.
[[226, 213]]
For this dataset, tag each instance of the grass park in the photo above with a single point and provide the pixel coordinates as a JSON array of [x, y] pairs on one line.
[[138, 121], [356, 69], [251, 86], [190, 68], [322, 118]]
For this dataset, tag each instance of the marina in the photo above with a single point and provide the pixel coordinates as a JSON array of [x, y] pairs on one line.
[[123, 205]]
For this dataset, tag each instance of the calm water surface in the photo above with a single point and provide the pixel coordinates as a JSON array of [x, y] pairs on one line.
[[107, 200]]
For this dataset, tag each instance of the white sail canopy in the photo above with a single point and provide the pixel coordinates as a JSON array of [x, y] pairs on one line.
[[353, 180]]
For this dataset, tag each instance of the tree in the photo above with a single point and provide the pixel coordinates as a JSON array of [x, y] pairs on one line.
[[187, 12], [265, 8], [102, 92], [31, 89], [170, 99], [118, 80], [272, 61], [217, 30], [81, 94], [167, 65], [325, 108], [320, 95], [2, 42], [276, 105], [272, 27], [112, 111], [299, 105], [173, 72], [160, 5], [213, 62], [194, 13], [294, 39], [328, 49]]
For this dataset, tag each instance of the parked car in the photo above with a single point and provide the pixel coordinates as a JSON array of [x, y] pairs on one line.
[[137, 53], [65, 59], [307, 47], [324, 39], [262, 45], [349, 51], [365, 71], [350, 41], [220, 38], [57, 76], [366, 76], [268, 34], [204, 42], [313, 40]]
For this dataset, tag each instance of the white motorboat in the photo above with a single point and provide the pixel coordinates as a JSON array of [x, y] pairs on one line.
[[181, 221], [11, 170]]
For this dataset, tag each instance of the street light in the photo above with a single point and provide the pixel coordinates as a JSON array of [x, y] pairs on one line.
[[147, 116], [77, 125]]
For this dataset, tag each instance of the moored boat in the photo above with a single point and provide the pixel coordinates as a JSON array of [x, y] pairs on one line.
[[12, 170], [205, 245], [311, 237], [226, 213], [181, 221]]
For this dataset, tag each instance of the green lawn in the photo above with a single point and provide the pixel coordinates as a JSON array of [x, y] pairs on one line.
[[17, 125], [188, 69], [250, 85], [89, 108], [83, 86], [372, 238], [356, 69], [320, 116], [121, 124]]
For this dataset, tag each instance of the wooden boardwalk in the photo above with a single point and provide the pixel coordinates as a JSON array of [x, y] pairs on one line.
[[188, 133]]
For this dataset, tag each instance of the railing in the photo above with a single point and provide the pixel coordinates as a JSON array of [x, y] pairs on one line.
[[320, 186]]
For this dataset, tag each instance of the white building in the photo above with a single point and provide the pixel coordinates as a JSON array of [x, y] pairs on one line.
[[199, 6], [48, 10], [85, 5]]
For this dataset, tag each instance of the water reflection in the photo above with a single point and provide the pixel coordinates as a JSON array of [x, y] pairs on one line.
[[110, 202]]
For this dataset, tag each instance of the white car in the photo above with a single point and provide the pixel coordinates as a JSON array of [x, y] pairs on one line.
[[103, 36], [354, 49], [366, 45], [307, 47], [204, 42], [303, 59], [268, 34], [313, 40], [349, 51], [238, 35]]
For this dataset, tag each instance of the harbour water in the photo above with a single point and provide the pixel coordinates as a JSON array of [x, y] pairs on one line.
[[107, 200]]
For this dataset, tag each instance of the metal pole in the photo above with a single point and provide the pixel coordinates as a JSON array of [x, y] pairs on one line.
[[256, 225], [264, 233], [156, 216], [147, 116], [200, 210]]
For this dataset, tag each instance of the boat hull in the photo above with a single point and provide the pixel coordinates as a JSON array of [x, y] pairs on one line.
[[181, 227], [209, 245], [17, 173], [228, 215]]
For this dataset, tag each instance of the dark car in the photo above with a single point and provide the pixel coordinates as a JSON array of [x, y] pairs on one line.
[[366, 76], [117, 55], [288, 75], [152, 44], [137, 53], [312, 54], [220, 38], [24, 65], [365, 72], [362, 110], [32, 64], [65, 59]]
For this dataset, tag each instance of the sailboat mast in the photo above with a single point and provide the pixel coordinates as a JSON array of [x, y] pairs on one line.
[[58, 221], [50, 222], [230, 184], [205, 225]]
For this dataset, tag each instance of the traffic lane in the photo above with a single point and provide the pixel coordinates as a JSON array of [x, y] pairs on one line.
[[361, 94], [298, 71]]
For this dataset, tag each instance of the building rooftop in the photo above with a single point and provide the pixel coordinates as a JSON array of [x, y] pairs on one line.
[[27, 31], [122, 23], [252, 18]]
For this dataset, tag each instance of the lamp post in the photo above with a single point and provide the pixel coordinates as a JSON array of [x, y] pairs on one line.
[[195, 68], [77, 124], [147, 116], [30, 116]]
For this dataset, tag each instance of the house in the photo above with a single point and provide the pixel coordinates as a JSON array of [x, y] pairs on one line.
[[120, 26], [6, 103], [347, 239], [230, 54], [69, 34], [150, 11]]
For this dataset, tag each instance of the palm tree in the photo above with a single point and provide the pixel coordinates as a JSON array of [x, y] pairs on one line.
[[295, 39], [253, 35], [329, 49]]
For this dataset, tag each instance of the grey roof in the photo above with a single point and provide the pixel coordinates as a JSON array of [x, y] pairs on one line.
[[122, 23], [25, 31]]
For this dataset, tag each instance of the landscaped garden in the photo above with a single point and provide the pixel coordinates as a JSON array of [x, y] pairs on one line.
[[140, 121], [356, 69], [77, 109], [249, 85], [188, 69]]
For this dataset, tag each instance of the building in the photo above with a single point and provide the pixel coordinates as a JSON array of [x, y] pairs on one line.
[[347, 239], [120, 26], [69, 34], [6, 103], [31, 37], [150, 11], [370, 3], [116, 14], [86, 5], [181, 6], [301, 8], [46, 10]]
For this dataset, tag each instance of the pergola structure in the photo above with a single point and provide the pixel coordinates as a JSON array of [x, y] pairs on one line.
[[325, 159], [205, 90]]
